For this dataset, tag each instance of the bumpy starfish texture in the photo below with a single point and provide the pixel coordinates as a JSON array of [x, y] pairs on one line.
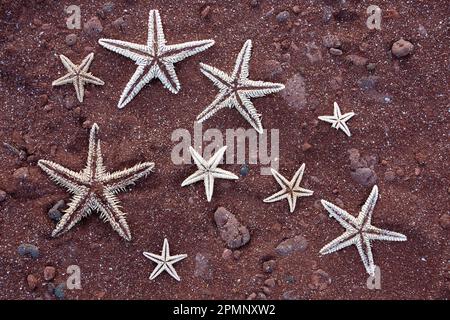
[[94, 189], [235, 90], [78, 75], [291, 190], [164, 261], [208, 171], [339, 120], [154, 59], [359, 231]]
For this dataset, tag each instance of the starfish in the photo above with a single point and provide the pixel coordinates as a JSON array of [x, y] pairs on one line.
[[78, 75], [165, 261], [236, 90], [154, 59], [359, 231], [290, 189], [207, 171], [94, 189], [339, 120]]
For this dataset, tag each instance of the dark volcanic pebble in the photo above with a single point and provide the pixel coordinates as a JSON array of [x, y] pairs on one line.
[[28, 249], [55, 212], [269, 266], [288, 246], [59, 291], [283, 16]]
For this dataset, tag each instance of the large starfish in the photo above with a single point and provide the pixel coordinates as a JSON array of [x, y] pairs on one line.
[[94, 189], [291, 190], [164, 261], [339, 120], [154, 59], [359, 231], [235, 90], [207, 171], [78, 75]]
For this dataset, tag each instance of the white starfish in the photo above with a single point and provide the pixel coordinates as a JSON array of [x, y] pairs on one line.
[[94, 189], [165, 261], [359, 231], [339, 120], [236, 90], [78, 75], [291, 190], [207, 171], [154, 59]]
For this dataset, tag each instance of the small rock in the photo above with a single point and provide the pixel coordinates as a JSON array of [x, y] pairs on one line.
[[32, 282], [49, 273], [87, 124], [421, 158], [389, 176], [254, 4], [320, 280], [71, 39], [203, 267], [371, 66], [297, 243], [331, 41], [364, 176], [59, 291], [270, 282], [93, 26], [266, 290], [28, 249], [283, 17], [252, 296], [262, 296], [296, 9], [2, 195], [70, 102], [327, 14], [417, 171], [108, 7], [402, 48], [119, 23], [356, 60], [244, 170], [339, 202], [444, 221], [55, 212], [306, 146], [336, 52], [205, 14], [231, 231], [21, 174], [227, 254], [290, 295], [237, 254], [42, 100], [269, 266]]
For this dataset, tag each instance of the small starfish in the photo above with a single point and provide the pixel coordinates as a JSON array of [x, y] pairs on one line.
[[78, 75], [207, 171], [359, 231], [339, 120], [94, 189], [165, 261], [154, 59], [290, 189], [236, 90]]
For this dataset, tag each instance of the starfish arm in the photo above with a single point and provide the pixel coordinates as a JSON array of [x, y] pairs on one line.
[[109, 210], [221, 101], [214, 161], [292, 200], [79, 88], [280, 195], [282, 181], [168, 77], [94, 164], [89, 78], [118, 181], [155, 38], [143, 74], [365, 216], [193, 178], [365, 252], [158, 269], [256, 89], [298, 176], [78, 208], [218, 77], [343, 217], [223, 174], [171, 270], [302, 192], [344, 240], [154, 257], [347, 116], [248, 111], [176, 258], [209, 186], [345, 128], [86, 63], [201, 163], [69, 65], [65, 79], [133, 51], [240, 70], [177, 52], [69, 179], [329, 119], [336, 110], [374, 233]]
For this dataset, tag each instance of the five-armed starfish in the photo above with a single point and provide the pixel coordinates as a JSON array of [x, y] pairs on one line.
[[154, 59], [165, 261], [236, 90], [78, 75], [207, 171], [290, 189], [338, 120], [94, 189], [359, 231]]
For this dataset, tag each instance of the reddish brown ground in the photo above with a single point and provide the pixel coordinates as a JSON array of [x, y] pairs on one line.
[[416, 121]]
